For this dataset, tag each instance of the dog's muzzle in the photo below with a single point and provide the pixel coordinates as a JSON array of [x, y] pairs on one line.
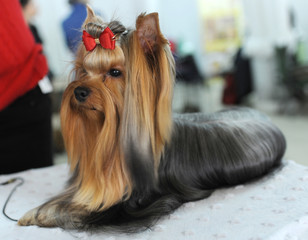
[[82, 93]]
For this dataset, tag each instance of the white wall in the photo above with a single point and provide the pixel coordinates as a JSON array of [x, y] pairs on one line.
[[48, 22], [180, 21]]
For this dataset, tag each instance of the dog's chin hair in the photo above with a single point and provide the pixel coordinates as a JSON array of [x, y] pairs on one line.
[[131, 161], [91, 140]]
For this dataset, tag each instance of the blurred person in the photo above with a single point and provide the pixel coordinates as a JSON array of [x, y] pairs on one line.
[[29, 10], [25, 107], [72, 24]]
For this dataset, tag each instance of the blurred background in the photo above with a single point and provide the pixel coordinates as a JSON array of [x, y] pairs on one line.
[[228, 53]]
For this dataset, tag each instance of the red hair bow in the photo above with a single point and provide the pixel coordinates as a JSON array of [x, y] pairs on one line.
[[106, 40]]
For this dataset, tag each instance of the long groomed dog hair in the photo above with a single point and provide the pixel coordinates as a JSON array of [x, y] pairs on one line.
[[133, 161]]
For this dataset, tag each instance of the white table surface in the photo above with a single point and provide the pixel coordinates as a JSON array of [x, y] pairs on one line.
[[272, 208]]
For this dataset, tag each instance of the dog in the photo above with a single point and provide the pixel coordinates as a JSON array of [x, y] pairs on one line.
[[132, 161]]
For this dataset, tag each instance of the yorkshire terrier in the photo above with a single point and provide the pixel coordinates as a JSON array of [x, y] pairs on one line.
[[133, 161]]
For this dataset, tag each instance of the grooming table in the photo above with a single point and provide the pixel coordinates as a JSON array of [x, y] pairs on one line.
[[272, 208]]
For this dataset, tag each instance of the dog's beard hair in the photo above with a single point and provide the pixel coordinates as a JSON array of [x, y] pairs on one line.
[[131, 161], [91, 134]]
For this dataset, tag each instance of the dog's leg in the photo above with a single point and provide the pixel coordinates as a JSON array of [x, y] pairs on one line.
[[57, 212]]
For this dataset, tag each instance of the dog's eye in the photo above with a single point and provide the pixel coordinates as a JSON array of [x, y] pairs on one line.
[[115, 73]]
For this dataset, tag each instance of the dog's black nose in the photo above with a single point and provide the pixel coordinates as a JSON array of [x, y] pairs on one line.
[[82, 93]]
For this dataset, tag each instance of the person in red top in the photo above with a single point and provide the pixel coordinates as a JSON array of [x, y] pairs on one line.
[[25, 111]]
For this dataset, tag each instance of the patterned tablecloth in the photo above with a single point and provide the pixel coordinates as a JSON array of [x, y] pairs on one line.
[[272, 208]]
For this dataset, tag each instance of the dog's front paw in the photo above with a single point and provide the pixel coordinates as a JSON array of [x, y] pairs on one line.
[[29, 218], [39, 217]]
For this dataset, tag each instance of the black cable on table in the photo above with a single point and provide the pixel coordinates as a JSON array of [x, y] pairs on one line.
[[21, 182]]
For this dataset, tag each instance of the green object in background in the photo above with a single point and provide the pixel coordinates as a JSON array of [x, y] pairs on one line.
[[185, 48], [302, 53]]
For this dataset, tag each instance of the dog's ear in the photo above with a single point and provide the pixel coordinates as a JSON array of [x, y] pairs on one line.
[[90, 15], [148, 32]]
